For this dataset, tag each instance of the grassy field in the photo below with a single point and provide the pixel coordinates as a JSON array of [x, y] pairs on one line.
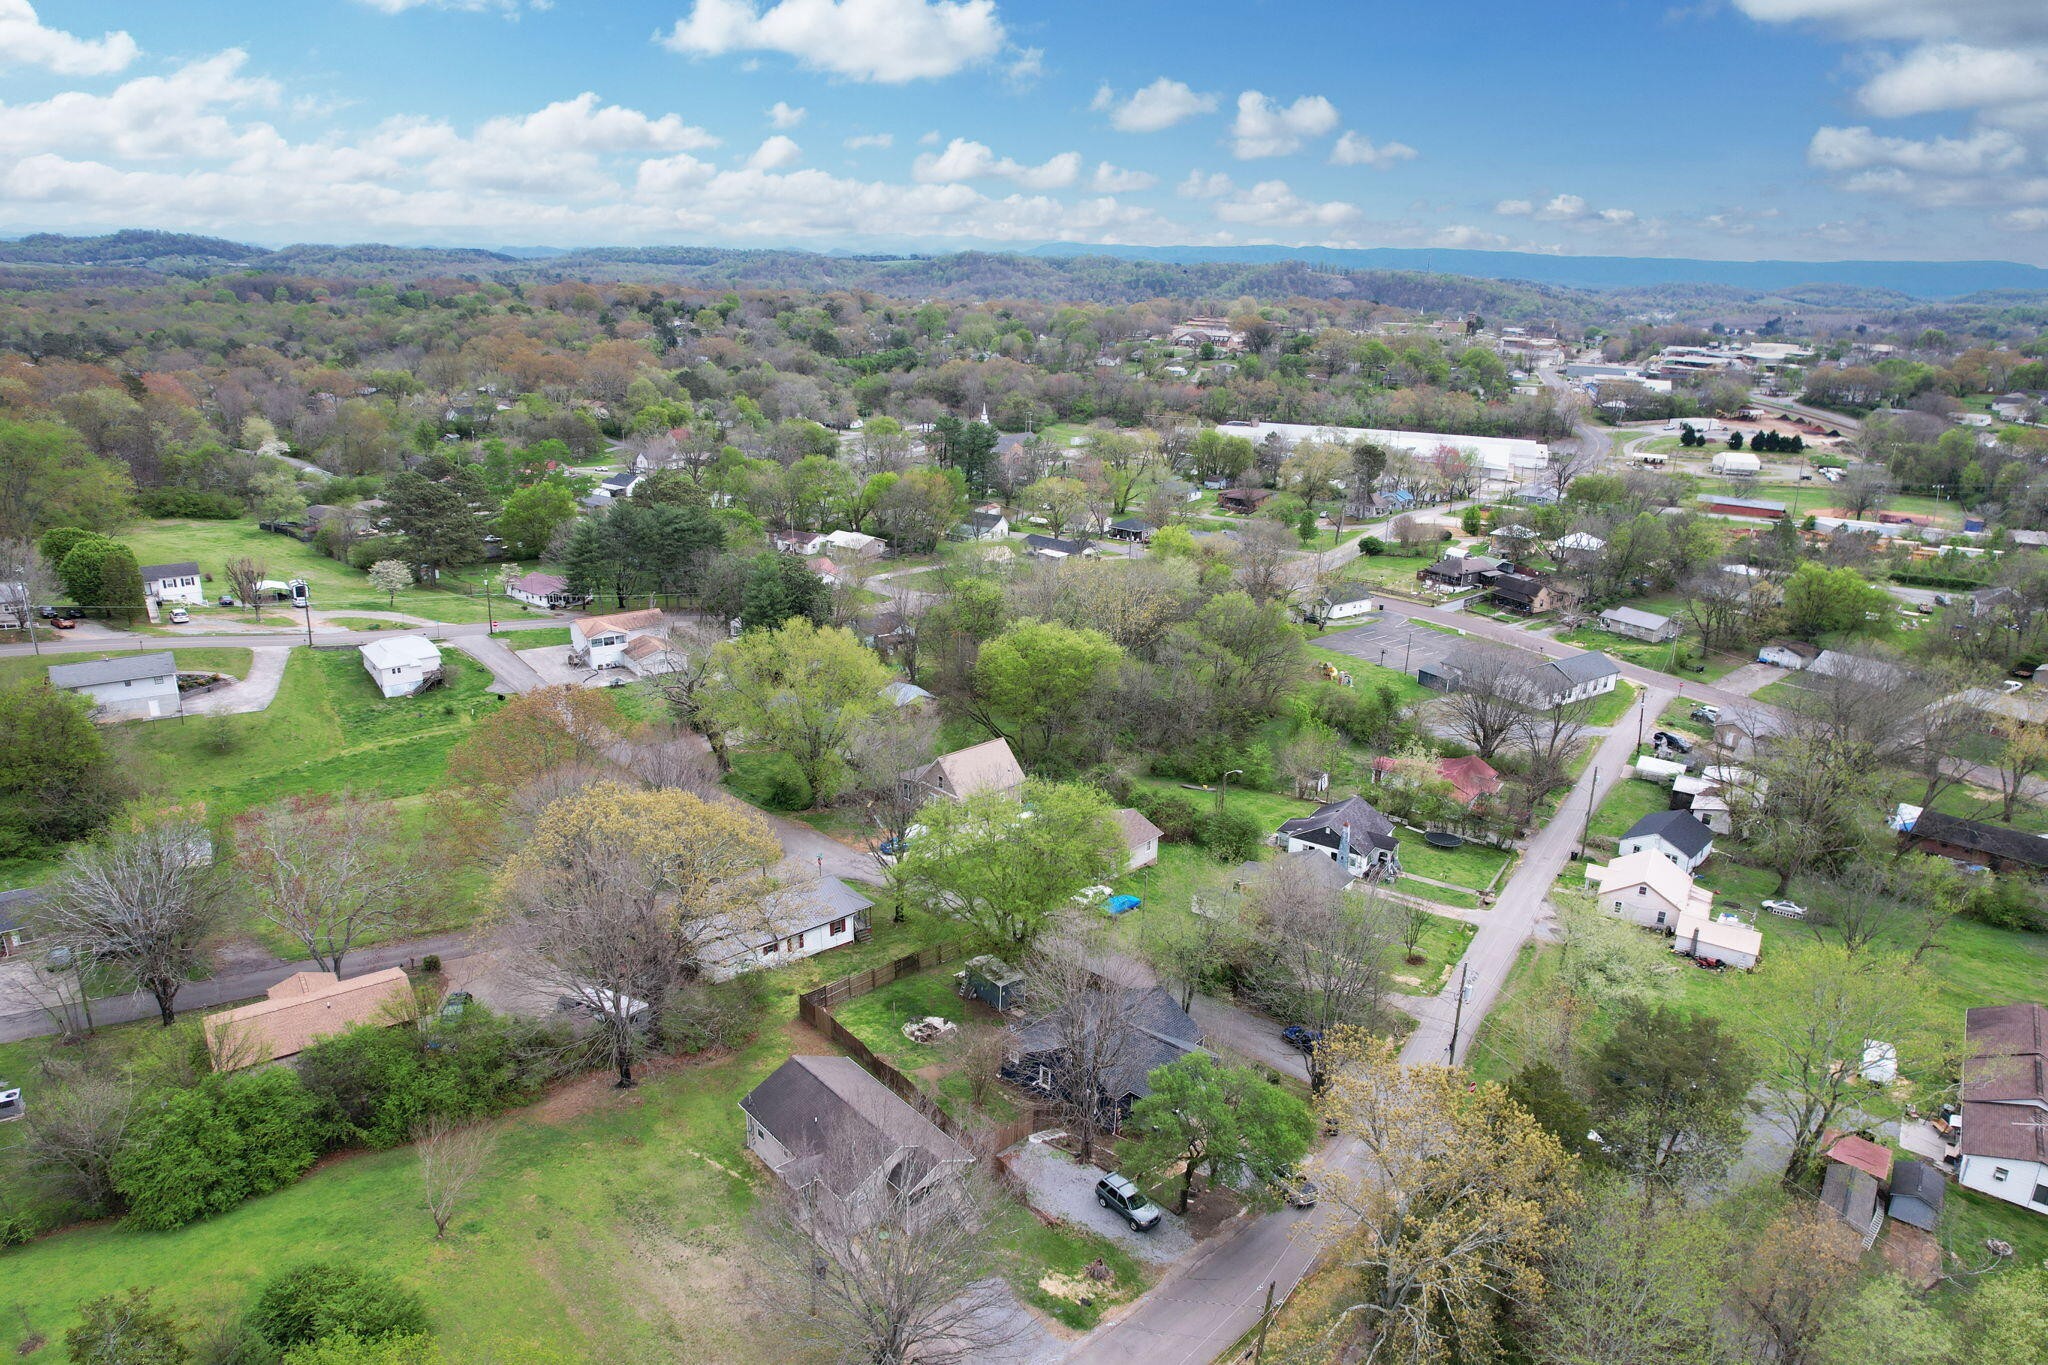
[[334, 585], [1267, 808], [329, 730], [1610, 707], [1643, 654], [1626, 802], [538, 638], [1459, 900], [1372, 676], [1473, 865], [35, 668], [611, 1224], [1442, 944]]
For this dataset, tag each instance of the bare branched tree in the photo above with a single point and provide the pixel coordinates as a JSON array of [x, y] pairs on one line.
[[685, 683], [73, 1132], [1265, 565], [1088, 1006], [142, 904], [1549, 737], [26, 581], [905, 1275], [244, 576], [671, 758], [1329, 950], [452, 1159], [885, 747], [1486, 705], [329, 871]]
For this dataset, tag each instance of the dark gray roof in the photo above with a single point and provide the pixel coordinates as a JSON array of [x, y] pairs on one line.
[[984, 520], [1164, 1033], [1998, 841], [1132, 524], [184, 568], [1348, 592], [1679, 828], [1851, 1193], [1065, 547], [1583, 668], [841, 1123], [121, 668], [1918, 1192], [1368, 824]]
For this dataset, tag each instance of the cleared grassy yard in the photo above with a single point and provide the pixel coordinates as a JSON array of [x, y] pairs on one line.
[[36, 668], [1628, 801], [334, 586], [1442, 943], [1472, 865]]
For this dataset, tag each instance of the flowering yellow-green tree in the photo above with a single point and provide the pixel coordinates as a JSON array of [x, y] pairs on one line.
[[1449, 1217]]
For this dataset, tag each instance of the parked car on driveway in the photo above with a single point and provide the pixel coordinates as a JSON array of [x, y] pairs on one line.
[[227, 599], [1710, 714], [1297, 1035], [1789, 909], [1116, 1193], [66, 623], [1665, 739], [179, 616]]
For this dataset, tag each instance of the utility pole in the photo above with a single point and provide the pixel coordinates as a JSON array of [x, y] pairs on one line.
[[1458, 1013], [309, 620], [1265, 1318], [1592, 799]]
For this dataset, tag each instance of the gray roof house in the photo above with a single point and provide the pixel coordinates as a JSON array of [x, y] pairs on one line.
[[1352, 826], [1162, 1032], [1676, 834], [1638, 624], [1556, 681], [796, 922], [824, 1124], [125, 685]]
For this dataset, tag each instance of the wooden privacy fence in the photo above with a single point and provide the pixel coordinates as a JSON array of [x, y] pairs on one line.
[[815, 1008]]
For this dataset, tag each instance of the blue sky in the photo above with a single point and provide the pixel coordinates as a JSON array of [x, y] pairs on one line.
[[1722, 128]]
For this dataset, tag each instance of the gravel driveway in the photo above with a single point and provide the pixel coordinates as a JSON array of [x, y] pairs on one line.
[[253, 693], [1231, 1028], [1057, 1184]]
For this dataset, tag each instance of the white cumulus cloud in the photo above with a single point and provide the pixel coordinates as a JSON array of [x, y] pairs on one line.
[[1266, 128], [1987, 151], [1514, 208], [861, 141], [26, 41], [964, 160], [888, 41], [782, 114], [775, 153], [1110, 179], [1154, 108], [1355, 149]]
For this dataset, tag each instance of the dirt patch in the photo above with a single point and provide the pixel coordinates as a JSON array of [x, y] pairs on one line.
[[1212, 1210]]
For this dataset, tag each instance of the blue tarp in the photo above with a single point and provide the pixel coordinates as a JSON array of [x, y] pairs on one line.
[[1119, 904]]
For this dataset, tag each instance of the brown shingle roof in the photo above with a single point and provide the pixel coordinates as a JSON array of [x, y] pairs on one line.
[[302, 1008], [626, 621], [1137, 829], [988, 766]]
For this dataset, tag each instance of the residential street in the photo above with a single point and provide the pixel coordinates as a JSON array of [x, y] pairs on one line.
[[1199, 1312]]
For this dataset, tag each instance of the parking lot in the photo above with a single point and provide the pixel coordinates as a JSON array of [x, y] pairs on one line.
[[1394, 643]]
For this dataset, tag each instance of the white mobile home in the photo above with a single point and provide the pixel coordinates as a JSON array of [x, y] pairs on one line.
[[180, 582]]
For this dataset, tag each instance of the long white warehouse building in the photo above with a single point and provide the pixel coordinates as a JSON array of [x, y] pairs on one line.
[[1505, 458]]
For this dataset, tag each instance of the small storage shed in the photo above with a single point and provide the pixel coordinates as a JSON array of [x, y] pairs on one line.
[[1918, 1192], [992, 981]]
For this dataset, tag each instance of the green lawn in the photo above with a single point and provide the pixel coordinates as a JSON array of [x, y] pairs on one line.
[[610, 1225], [1626, 802], [1783, 692], [877, 1018], [334, 585], [328, 731], [1371, 676], [1610, 707], [1643, 654], [35, 668], [1442, 944], [538, 638], [1269, 809], [1463, 900], [1677, 715], [1473, 865]]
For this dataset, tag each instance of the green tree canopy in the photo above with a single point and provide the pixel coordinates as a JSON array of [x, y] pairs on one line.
[[1001, 866], [1822, 601], [1045, 680], [798, 689], [1216, 1120]]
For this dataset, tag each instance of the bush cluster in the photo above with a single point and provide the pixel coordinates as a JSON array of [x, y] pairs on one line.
[[372, 1085]]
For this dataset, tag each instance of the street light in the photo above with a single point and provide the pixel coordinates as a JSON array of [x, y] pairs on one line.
[[1223, 789]]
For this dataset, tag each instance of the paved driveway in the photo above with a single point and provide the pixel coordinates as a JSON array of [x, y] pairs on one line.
[[253, 693], [1232, 1028], [1057, 1184]]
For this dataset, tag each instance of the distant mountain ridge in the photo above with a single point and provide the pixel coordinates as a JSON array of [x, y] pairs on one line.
[[1915, 279]]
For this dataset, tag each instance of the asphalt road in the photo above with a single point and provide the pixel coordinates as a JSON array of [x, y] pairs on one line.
[[1197, 1313]]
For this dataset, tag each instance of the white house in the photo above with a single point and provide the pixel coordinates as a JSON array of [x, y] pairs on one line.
[[1638, 624], [830, 1131], [797, 922], [601, 641], [1141, 838], [1648, 890], [1344, 602], [402, 664], [983, 524], [1724, 938], [1351, 832], [855, 545], [1672, 834], [547, 590], [180, 582], [124, 686], [2004, 1148]]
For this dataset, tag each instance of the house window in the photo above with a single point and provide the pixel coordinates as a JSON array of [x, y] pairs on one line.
[[1999, 1172], [796, 943], [838, 927], [2041, 1194], [768, 948]]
